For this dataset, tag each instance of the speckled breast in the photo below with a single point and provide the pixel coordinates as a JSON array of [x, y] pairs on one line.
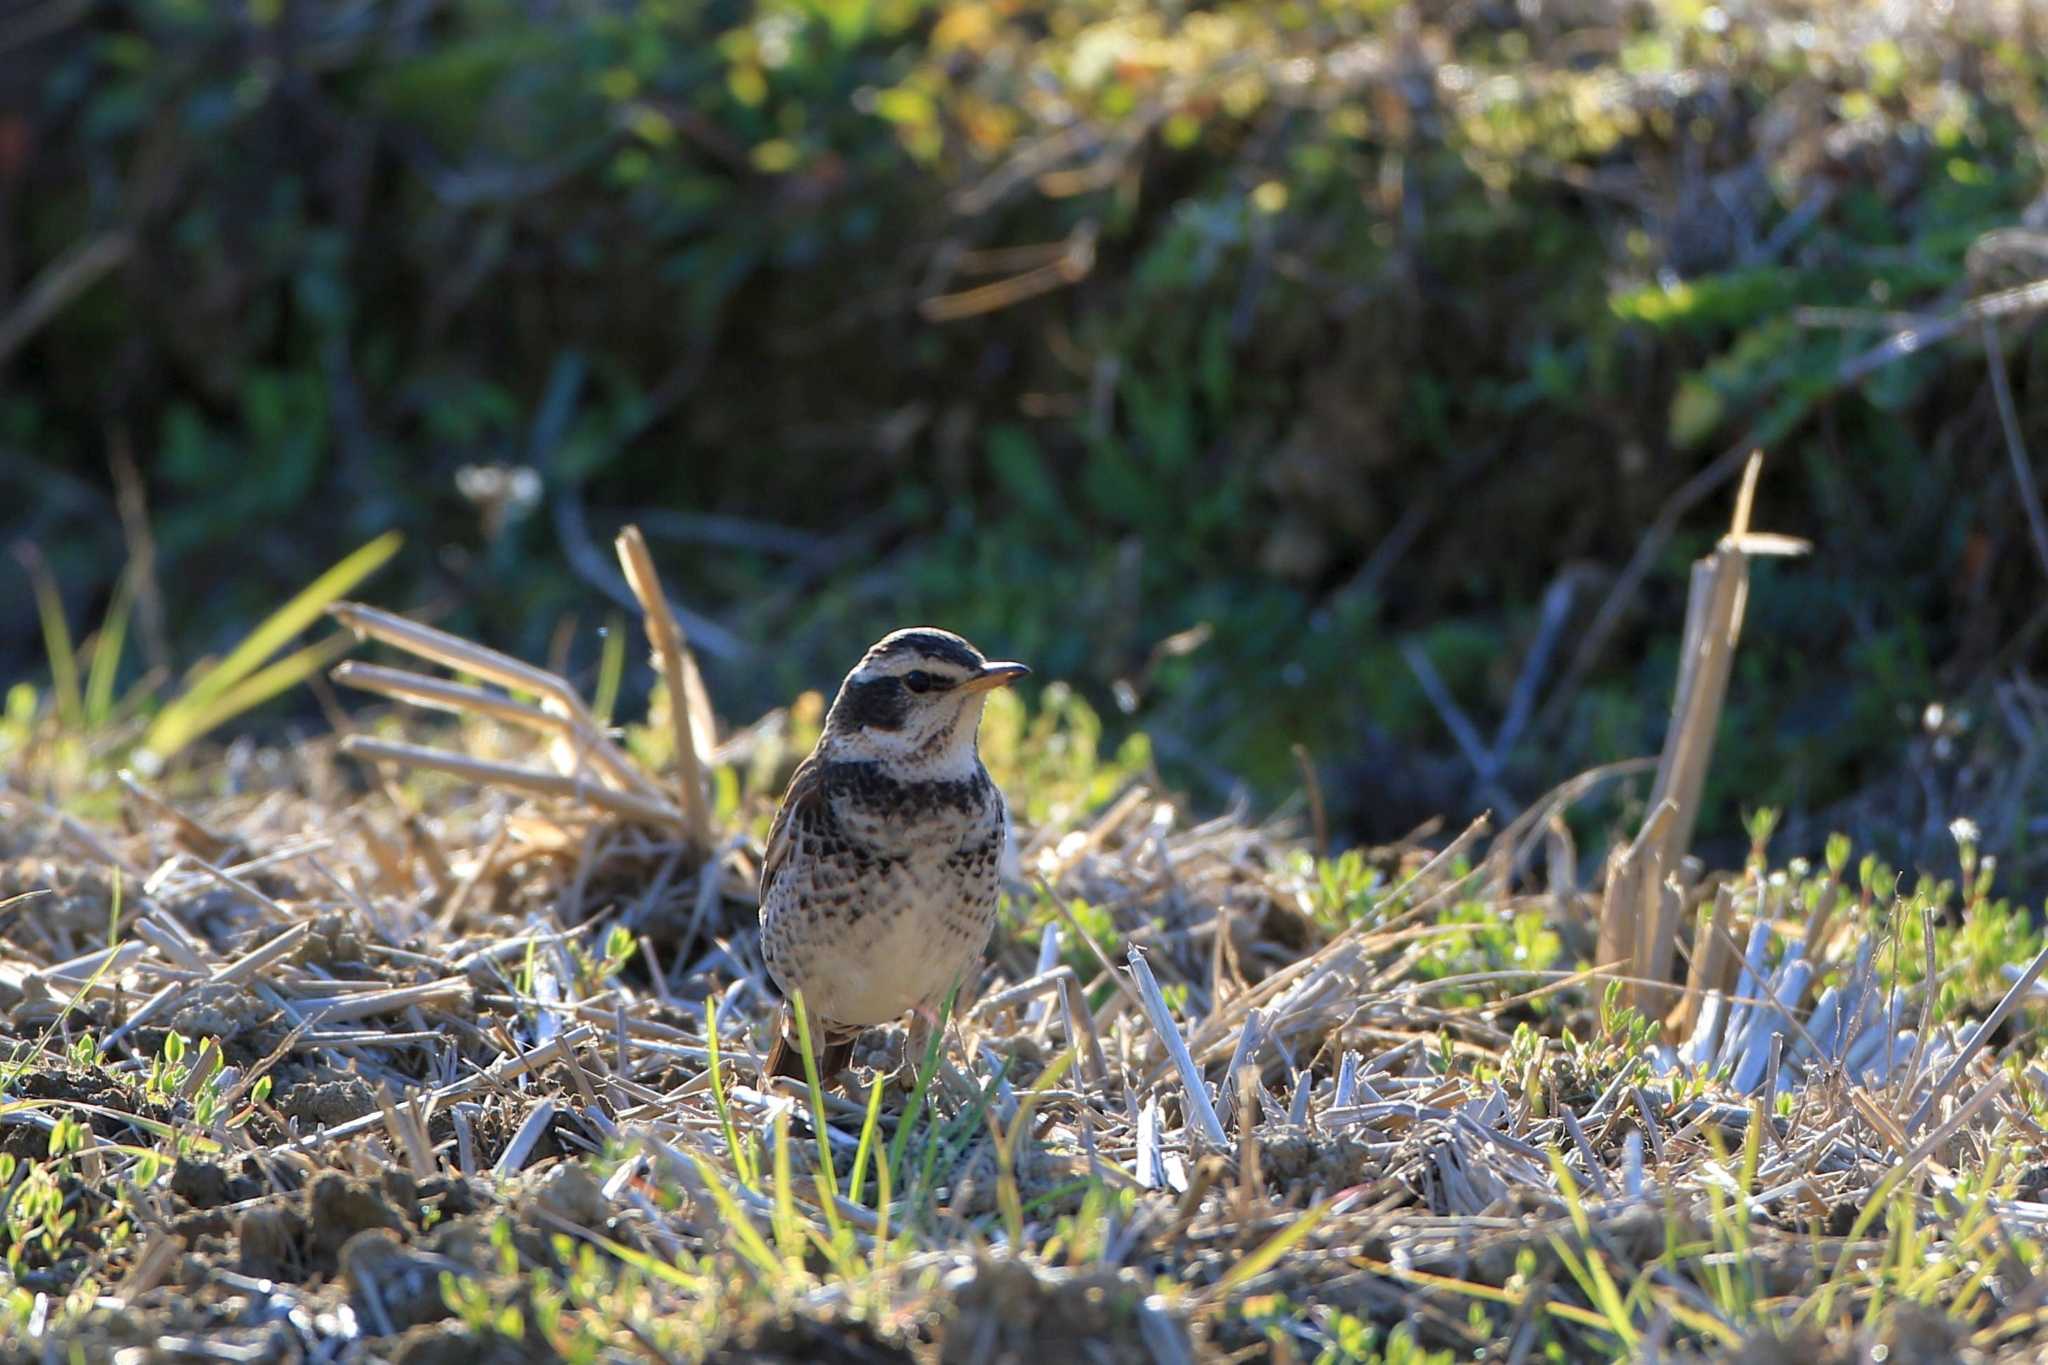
[[888, 894]]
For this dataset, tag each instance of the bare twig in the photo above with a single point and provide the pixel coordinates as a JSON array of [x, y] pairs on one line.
[[58, 284], [1201, 1109], [538, 781], [1483, 761], [687, 704], [454, 652], [2015, 444], [2006, 1005]]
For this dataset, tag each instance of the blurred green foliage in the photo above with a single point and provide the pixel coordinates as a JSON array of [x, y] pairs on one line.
[[1338, 326]]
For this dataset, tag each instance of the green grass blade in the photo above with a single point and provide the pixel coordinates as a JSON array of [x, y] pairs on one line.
[[1569, 1189], [954, 1140], [1009, 1198], [836, 1236], [1602, 1315], [611, 670], [61, 655], [269, 636], [188, 726], [869, 1126], [915, 1109], [107, 647], [789, 1239], [741, 1156], [652, 1266], [826, 1169], [1057, 1193], [1035, 1096], [746, 1237], [883, 1192], [1258, 1262], [14, 1072]]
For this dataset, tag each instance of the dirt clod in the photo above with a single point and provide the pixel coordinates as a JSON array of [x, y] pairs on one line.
[[270, 1236], [332, 940], [394, 1287], [202, 1184], [571, 1193], [450, 1343], [339, 1206], [402, 1188], [801, 1341], [221, 1013], [455, 1195], [328, 1102], [1008, 1310]]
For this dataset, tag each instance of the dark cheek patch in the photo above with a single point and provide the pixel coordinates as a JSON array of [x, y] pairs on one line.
[[878, 704]]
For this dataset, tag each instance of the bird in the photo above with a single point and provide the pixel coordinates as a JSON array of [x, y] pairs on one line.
[[878, 885]]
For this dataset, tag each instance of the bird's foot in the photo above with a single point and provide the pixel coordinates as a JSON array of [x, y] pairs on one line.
[[881, 1050], [917, 1043]]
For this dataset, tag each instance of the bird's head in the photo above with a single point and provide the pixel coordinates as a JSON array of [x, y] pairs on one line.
[[914, 701]]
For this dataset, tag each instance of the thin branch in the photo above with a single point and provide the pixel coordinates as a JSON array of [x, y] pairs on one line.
[[58, 284], [538, 781], [678, 671], [2015, 444]]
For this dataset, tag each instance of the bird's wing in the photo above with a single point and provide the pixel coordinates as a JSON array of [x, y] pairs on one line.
[[806, 790]]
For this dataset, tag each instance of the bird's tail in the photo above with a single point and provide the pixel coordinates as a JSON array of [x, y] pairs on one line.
[[786, 1057]]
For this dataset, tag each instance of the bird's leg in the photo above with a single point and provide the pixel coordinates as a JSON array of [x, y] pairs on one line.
[[924, 1021], [786, 1058], [917, 1041]]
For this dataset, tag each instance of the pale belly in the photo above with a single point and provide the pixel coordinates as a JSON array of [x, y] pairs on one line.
[[919, 930]]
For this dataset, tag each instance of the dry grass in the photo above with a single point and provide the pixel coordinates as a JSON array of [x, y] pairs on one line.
[[422, 1070]]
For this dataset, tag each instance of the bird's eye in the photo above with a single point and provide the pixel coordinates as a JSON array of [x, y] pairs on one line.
[[917, 680]]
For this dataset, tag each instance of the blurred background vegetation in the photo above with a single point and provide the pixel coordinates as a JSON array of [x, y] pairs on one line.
[[1356, 375]]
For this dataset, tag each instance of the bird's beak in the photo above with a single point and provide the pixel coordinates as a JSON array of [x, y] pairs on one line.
[[995, 675]]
